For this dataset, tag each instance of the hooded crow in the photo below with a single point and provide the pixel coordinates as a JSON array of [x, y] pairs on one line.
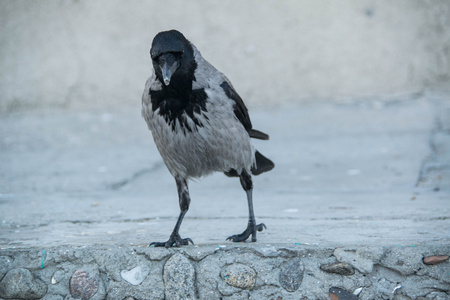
[[199, 124]]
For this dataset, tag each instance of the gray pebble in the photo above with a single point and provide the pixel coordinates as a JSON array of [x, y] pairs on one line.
[[239, 275], [338, 268], [179, 278], [291, 275], [20, 283]]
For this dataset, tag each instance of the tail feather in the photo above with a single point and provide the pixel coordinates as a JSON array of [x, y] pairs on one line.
[[256, 134], [263, 164]]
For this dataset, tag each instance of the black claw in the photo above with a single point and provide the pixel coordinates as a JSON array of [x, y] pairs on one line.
[[157, 244], [174, 241], [250, 231], [261, 226]]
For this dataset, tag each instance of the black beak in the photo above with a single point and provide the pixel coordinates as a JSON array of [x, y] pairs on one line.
[[169, 66]]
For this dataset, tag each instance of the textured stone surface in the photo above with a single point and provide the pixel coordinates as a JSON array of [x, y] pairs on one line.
[[291, 275], [239, 275], [5, 261], [58, 276], [83, 284], [361, 258], [179, 278], [405, 260], [20, 283], [340, 294], [338, 268], [435, 296], [401, 297]]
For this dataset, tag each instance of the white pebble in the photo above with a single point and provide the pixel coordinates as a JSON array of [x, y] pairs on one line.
[[134, 276]]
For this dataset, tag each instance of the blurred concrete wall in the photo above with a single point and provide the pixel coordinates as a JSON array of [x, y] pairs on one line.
[[95, 53]]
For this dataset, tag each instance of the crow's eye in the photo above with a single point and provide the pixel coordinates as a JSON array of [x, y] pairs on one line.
[[153, 54]]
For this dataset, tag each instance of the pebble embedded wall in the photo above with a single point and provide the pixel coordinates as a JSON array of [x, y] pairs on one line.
[[207, 272]]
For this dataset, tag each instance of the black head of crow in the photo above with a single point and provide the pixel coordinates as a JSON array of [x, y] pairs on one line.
[[199, 124], [172, 56]]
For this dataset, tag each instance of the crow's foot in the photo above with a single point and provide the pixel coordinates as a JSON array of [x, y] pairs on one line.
[[251, 230], [175, 240]]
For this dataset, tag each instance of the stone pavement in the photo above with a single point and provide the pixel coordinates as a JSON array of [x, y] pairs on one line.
[[359, 197]]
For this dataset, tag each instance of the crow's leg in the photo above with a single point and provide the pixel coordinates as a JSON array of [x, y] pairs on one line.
[[247, 184], [183, 196]]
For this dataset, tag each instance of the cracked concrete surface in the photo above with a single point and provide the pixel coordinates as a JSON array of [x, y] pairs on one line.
[[368, 178], [435, 171]]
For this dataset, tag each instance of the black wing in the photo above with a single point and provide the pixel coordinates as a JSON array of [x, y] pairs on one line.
[[241, 112]]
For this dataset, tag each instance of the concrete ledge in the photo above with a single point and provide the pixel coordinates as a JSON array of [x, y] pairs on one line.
[[239, 271]]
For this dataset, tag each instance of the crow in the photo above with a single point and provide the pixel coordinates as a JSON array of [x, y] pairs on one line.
[[199, 124]]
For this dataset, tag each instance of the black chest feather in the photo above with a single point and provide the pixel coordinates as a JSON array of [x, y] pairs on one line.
[[179, 106]]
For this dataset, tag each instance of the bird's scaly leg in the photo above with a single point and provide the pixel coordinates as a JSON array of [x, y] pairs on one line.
[[184, 199], [252, 227]]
